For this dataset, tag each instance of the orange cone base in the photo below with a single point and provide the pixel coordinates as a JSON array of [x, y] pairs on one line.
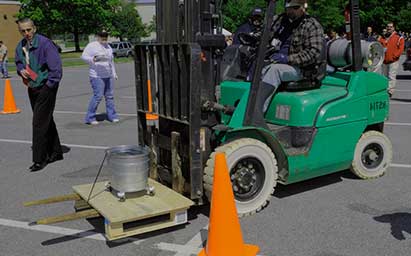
[[10, 112], [250, 250]]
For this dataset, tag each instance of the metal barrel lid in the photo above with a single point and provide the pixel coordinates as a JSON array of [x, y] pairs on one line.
[[127, 151]]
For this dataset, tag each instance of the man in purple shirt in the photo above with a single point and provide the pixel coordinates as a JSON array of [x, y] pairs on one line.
[[38, 63]]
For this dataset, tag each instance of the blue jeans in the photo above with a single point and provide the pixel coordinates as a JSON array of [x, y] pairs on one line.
[[101, 87], [3, 68]]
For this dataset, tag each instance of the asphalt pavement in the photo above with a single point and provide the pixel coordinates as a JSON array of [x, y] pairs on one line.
[[334, 215]]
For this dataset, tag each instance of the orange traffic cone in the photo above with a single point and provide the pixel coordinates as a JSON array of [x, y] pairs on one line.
[[224, 233], [9, 106]]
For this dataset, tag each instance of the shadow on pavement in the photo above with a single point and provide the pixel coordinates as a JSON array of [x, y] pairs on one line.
[[401, 100], [87, 172], [68, 238], [400, 223], [65, 149], [98, 224], [403, 77], [282, 191]]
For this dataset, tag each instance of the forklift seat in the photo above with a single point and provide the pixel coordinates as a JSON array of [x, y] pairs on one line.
[[313, 80]]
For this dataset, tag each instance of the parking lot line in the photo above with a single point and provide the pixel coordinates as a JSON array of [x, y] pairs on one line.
[[53, 229], [181, 250], [88, 234], [398, 124], [401, 165], [400, 103], [83, 113], [197, 240], [128, 97], [68, 145]]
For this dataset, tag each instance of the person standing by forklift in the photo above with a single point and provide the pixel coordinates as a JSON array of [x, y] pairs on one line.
[[39, 64], [102, 72], [369, 35], [3, 60], [394, 46], [253, 25], [299, 39]]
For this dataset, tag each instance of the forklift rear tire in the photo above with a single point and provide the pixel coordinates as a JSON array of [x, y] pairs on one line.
[[253, 174], [372, 156]]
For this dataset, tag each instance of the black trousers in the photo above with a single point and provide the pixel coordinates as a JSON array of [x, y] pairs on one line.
[[45, 137]]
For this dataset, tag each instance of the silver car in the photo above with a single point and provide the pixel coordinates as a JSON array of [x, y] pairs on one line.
[[122, 49]]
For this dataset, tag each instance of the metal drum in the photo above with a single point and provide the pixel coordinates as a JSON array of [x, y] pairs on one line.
[[129, 166]]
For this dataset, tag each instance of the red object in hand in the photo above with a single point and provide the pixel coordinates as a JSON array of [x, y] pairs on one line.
[[33, 75]]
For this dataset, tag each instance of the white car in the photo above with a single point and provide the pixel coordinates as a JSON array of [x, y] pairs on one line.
[[122, 49]]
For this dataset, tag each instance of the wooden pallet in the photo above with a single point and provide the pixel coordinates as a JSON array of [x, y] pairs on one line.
[[139, 213]]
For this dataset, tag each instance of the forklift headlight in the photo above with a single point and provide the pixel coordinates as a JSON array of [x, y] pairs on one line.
[[283, 112]]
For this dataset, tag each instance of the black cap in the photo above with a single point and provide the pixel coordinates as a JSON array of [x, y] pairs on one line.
[[257, 12], [102, 33]]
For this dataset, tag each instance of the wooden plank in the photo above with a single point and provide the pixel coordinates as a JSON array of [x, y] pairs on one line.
[[139, 207], [178, 179], [117, 230], [56, 199], [68, 217], [80, 205], [113, 230]]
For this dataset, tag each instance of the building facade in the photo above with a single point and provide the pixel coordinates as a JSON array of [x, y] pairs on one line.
[[8, 27], [147, 11]]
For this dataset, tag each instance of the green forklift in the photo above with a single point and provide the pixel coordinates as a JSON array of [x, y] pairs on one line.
[[191, 104]]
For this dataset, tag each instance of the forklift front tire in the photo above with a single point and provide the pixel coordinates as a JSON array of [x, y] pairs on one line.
[[253, 173], [372, 156]]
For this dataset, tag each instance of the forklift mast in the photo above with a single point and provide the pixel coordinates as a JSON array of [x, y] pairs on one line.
[[175, 75], [182, 20]]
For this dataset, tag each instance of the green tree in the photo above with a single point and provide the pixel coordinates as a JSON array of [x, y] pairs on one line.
[[152, 26], [330, 13], [127, 23], [236, 12], [72, 16], [405, 16]]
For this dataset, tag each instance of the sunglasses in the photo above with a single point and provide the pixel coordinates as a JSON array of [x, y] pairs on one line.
[[294, 7]]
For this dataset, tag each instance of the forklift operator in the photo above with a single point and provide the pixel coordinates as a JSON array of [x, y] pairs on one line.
[[299, 41]]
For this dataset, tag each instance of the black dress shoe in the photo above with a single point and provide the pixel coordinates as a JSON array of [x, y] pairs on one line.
[[55, 157], [37, 167]]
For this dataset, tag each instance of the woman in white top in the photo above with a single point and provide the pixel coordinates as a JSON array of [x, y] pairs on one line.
[[102, 72]]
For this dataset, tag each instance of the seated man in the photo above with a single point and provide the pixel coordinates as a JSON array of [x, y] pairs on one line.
[[300, 41], [253, 25]]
